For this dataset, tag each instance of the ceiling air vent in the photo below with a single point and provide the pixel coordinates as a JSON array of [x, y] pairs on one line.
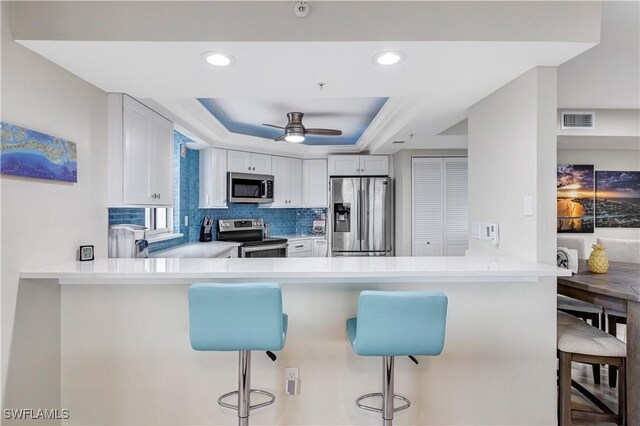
[[578, 120]]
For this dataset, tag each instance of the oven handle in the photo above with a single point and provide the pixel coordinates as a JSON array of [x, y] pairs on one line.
[[262, 248]]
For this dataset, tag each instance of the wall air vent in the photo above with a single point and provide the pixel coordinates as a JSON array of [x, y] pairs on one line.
[[578, 120]]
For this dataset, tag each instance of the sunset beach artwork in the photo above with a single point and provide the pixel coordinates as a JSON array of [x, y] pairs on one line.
[[576, 196], [618, 199]]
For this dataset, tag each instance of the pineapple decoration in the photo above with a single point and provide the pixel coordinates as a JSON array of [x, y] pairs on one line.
[[598, 260]]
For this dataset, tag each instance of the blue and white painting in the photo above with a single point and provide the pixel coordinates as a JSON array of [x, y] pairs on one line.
[[25, 152]]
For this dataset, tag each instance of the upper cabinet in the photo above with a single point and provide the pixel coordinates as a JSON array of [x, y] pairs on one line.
[[314, 183], [213, 178], [287, 182], [248, 162], [140, 154], [358, 165]]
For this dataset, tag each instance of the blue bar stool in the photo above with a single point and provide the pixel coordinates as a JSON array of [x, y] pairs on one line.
[[243, 318], [391, 324]]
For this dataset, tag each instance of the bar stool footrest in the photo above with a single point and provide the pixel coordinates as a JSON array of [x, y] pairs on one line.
[[271, 397], [379, 410]]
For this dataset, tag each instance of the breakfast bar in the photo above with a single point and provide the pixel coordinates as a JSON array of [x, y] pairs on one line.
[[126, 359]]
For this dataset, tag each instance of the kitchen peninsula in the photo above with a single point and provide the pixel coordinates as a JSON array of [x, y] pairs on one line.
[[123, 331]]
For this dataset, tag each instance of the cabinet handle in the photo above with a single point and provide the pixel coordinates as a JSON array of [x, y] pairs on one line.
[[249, 168], [158, 195], [428, 242], [254, 168], [300, 246]]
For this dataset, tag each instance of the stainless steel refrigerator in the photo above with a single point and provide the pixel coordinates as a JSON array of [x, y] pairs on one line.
[[361, 216]]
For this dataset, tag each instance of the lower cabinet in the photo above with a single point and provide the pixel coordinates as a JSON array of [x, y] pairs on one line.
[[311, 247], [228, 254]]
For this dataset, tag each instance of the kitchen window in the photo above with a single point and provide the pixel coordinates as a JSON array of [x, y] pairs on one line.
[[158, 220]]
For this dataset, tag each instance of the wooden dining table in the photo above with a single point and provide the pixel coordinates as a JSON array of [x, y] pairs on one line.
[[618, 289]]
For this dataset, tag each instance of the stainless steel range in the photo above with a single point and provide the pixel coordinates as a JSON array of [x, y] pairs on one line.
[[249, 233]]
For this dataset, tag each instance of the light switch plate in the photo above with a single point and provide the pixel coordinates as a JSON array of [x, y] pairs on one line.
[[476, 230], [528, 205]]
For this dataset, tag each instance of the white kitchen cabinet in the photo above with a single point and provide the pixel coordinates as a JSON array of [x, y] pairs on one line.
[[213, 178], [374, 165], [320, 247], [300, 248], [228, 254], [358, 165], [439, 206], [248, 162], [287, 182], [314, 183], [140, 155]]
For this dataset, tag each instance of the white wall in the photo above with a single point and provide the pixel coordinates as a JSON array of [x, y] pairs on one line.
[[44, 222], [512, 154], [604, 159], [402, 180]]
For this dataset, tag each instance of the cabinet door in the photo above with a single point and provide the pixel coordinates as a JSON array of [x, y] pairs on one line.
[[137, 154], [239, 161], [320, 248], [205, 180], [260, 164], [427, 207], [280, 181], [219, 192], [294, 182], [374, 165], [344, 165], [314, 183], [456, 207], [162, 166]]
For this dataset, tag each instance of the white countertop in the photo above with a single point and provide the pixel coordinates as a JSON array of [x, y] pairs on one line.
[[195, 250], [296, 270]]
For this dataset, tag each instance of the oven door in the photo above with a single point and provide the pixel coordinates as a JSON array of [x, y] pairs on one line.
[[273, 250], [248, 188]]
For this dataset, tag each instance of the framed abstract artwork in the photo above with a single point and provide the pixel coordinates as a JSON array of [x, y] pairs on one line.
[[28, 153], [576, 198], [618, 199]]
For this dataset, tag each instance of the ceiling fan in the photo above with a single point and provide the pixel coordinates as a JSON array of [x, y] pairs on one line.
[[295, 132]]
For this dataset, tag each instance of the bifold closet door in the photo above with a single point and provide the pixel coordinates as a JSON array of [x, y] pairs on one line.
[[456, 206], [439, 206], [427, 207]]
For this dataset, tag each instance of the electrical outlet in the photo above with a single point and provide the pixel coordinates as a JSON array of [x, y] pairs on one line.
[[291, 373], [291, 381]]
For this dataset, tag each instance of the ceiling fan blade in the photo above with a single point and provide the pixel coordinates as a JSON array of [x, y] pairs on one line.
[[280, 138], [323, 132], [273, 125]]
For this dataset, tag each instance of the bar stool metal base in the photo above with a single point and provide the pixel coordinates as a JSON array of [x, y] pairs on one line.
[[387, 395], [244, 391]]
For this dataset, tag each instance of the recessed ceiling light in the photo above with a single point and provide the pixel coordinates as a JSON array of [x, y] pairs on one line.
[[218, 59], [388, 58]]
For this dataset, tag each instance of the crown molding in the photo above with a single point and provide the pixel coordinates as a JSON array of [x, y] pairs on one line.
[[392, 117]]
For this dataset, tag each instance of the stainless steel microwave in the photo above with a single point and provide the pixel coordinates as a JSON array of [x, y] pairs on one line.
[[249, 188]]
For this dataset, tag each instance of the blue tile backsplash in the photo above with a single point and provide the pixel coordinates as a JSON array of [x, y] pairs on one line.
[[186, 193]]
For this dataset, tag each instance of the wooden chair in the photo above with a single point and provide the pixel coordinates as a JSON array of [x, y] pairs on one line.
[[580, 342], [618, 250]]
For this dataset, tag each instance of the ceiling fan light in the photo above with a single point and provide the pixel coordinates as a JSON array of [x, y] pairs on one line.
[[294, 138]]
